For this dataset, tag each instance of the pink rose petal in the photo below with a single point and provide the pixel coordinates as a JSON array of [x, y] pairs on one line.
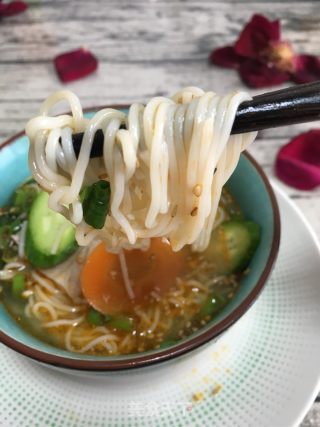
[[12, 8], [257, 74], [225, 57], [307, 69], [75, 64], [256, 36], [298, 163]]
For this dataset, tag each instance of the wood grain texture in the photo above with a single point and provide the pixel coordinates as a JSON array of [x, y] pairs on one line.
[[145, 48]]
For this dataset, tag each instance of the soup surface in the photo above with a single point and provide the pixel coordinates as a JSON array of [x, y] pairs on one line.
[[102, 303]]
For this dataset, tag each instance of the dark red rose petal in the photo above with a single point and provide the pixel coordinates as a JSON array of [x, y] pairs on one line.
[[225, 57], [256, 36], [298, 163], [75, 64], [257, 74], [307, 69], [12, 8]]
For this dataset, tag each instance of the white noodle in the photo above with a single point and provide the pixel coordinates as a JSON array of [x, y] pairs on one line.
[[155, 320], [57, 304], [125, 274], [29, 305], [43, 282], [44, 305], [64, 322], [14, 265], [166, 171], [105, 340], [22, 236], [10, 270]]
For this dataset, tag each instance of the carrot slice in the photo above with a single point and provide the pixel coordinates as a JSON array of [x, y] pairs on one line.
[[152, 270]]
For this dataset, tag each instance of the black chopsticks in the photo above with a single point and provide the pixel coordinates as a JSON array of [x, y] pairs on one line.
[[292, 105]]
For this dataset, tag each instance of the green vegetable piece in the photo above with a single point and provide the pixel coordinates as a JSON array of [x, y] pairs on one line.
[[213, 305], [232, 245], [123, 323], [44, 228], [94, 317], [96, 203], [18, 285]]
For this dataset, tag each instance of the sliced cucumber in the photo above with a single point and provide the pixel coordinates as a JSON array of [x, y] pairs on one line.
[[44, 228], [232, 245]]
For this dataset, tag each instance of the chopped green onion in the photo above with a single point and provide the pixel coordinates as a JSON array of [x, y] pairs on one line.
[[18, 285], [96, 202], [121, 322], [94, 317]]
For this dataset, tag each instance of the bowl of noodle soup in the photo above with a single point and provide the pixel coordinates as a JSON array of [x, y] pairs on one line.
[[250, 188]]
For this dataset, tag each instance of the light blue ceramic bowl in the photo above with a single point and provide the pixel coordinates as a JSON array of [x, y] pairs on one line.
[[253, 192]]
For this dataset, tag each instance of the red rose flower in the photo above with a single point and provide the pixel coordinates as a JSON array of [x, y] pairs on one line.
[[263, 59]]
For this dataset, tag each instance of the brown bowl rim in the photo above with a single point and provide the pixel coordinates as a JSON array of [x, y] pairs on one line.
[[172, 352]]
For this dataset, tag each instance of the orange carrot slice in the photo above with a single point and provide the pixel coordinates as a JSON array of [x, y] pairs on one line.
[[152, 270]]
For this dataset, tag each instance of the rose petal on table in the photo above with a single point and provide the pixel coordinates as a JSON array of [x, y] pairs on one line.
[[256, 36], [12, 8], [75, 64], [258, 74], [225, 57], [307, 69], [298, 162]]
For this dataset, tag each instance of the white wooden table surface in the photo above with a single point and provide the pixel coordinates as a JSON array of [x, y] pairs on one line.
[[145, 48]]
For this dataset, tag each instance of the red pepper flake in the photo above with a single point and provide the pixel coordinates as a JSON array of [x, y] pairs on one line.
[[298, 162], [12, 8], [263, 59], [75, 64]]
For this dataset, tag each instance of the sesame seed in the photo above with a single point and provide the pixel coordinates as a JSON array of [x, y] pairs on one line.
[[197, 190], [194, 211]]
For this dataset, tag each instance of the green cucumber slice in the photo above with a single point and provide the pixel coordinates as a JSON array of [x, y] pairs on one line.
[[44, 228], [232, 245]]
